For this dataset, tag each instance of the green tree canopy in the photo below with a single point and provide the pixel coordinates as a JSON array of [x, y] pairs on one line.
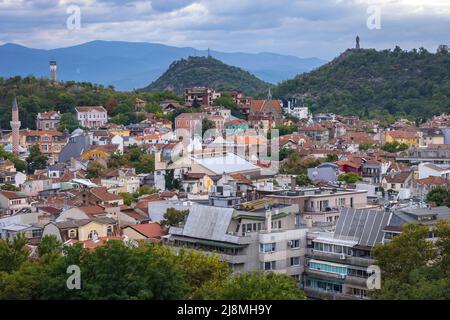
[[173, 217], [256, 286], [349, 178], [36, 159]]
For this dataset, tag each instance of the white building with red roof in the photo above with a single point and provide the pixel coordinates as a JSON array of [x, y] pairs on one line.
[[92, 117]]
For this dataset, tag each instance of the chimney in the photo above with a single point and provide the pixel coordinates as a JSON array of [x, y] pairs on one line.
[[293, 183]]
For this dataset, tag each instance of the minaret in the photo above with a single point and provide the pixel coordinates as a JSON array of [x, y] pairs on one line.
[[357, 43], [53, 68], [269, 95], [15, 126]]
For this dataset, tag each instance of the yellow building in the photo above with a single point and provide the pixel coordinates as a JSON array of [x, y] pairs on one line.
[[99, 152], [411, 138]]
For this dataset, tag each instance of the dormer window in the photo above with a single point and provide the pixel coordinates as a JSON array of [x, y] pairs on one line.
[[72, 233]]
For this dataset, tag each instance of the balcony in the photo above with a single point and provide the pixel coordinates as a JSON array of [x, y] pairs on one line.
[[328, 295], [234, 259], [356, 281], [324, 275]]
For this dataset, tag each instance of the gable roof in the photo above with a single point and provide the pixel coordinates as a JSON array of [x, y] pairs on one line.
[[90, 109], [258, 106], [149, 230], [398, 178], [103, 194]]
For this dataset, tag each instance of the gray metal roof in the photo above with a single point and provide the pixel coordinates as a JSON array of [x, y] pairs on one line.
[[209, 223], [362, 225]]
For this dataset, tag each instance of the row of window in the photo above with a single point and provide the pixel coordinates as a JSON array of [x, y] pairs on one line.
[[271, 265], [327, 268], [92, 116], [271, 247], [323, 285], [332, 248]]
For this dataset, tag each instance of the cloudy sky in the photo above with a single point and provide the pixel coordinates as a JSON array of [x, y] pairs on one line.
[[305, 28]]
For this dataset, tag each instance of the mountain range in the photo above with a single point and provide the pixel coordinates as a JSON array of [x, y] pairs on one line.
[[132, 65]]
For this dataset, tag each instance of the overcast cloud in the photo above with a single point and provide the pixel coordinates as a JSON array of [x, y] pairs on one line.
[[303, 28]]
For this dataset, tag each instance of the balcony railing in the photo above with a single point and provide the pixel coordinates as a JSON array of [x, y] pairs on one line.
[[340, 258]]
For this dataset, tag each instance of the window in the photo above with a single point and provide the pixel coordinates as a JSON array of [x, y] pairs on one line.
[[295, 261], [328, 268], [295, 244], [92, 234], [110, 230], [72, 233], [267, 247], [267, 266]]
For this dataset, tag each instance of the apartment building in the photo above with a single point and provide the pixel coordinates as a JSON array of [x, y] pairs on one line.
[[336, 264], [259, 235], [203, 95], [321, 204]]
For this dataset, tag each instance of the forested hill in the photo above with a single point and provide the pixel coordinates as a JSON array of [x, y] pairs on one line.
[[207, 71], [374, 83], [36, 95]]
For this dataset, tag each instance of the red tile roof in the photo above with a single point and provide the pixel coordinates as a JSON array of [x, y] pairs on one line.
[[149, 230], [259, 105]]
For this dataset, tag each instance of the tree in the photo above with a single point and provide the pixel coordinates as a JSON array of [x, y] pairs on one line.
[[22, 284], [439, 196], [120, 119], [331, 157], [13, 253], [128, 198], [303, 180], [9, 187], [402, 260], [297, 165], [171, 182], [68, 122], [95, 170], [36, 159], [49, 247], [174, 217], [349, 178], [394, 147], [255, 286], [207, 125], [115, 271], [200, 270], [285, 152], [18, 164]]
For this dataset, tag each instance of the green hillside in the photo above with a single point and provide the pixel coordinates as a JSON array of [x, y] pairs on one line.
[[202, 71], [370, 83], [36, 95]]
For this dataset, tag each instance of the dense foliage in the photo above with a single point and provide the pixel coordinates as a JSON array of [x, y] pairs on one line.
[[207, 72], [133, 157], [121, 270], [349, 178], [20, 165], [413, 267], [383, 84], [439, 196], [38, 95]]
